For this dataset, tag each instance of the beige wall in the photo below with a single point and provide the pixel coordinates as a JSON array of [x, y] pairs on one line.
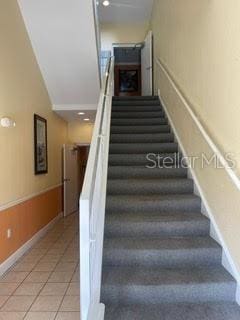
[[80, 132], [22, 93], [122, 33], [198, 42]]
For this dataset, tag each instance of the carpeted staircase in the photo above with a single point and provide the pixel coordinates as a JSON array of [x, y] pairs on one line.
[[159, 262]]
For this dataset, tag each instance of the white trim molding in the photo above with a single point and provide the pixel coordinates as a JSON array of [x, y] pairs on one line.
[[7, 264], [227, 260], [29, 197], [234, 177]]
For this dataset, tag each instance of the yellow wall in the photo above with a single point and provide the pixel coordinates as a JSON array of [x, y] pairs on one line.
[[22, 93], [80, 132], [198, 42], [122, 33]]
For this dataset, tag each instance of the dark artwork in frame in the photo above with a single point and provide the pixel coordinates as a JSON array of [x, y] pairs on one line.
[[40, 145]]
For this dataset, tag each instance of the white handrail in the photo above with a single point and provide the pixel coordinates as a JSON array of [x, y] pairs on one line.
[[92, 205], [232, 174]]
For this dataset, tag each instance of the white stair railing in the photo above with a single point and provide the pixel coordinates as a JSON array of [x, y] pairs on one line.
[[92, 205]]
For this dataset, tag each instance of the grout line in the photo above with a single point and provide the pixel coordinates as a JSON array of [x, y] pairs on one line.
[[70, 238]]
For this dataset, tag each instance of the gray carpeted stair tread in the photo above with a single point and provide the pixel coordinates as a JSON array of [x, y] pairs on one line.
[[150, 203], [149, 186], [180, 311], [139, 121], [134, 98], [136, 138], [123, 172], [156, 225], [134, 115], [156, 148], [165, 253], [130, 285], [158, 244], [136, 103], [144, 109], [164, 276], [138, 159], [140, 129]]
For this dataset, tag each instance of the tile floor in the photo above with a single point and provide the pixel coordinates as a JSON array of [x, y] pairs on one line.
[[44, 283]]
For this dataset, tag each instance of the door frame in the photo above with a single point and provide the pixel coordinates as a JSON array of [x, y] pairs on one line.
[[77, 144]]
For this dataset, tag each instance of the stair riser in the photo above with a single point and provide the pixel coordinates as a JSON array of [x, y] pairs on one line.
[[137, 115], [176, 205], [137, 103], [141, 187], [142, 160], [137, 109], [192, 293], [162, 258], [141, 172], [140, 148], [135, 98], [139, 122], [155, 229], [140, 129], [136, 138]]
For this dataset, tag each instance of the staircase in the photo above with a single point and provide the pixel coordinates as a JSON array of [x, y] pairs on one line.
[[159, 262]]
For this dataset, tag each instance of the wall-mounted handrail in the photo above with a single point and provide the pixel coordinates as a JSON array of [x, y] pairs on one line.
[[232, 174], [92, 205]]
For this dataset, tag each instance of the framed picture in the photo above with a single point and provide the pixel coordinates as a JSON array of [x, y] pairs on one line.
[[40, 145]]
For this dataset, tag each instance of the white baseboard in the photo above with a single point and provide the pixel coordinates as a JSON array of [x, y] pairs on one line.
[[215, 233], [7, 264]]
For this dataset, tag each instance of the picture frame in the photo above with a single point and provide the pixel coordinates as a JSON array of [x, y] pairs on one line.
[[40, 145]]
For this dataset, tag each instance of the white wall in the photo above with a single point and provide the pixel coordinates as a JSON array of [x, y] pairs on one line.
[[122, 33], [198, 43], [80, 132], [63, 37]]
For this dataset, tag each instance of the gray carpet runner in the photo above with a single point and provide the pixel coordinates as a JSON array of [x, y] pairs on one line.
[[159, 261]]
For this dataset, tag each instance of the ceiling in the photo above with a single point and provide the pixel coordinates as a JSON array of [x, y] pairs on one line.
[[63, 37], [126, 11], [73, 115]]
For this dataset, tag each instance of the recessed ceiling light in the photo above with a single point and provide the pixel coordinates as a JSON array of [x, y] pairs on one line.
[[106, 3], [81, 113], [86, 119]]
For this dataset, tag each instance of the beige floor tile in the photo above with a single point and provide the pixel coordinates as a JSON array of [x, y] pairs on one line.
[[38, 277], [66, 266], [73, 289], [29, 289], [75, 277], [70, 303], [18, 303], [3, 299], [40, 316], [54, 289], [6, 289], [30, 259], [51, 258], [12, 315], [68, 316], [37, 252], [59, 276], [24, 266], [56, 251], [47, 303], [14, 276], [45, 266]]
